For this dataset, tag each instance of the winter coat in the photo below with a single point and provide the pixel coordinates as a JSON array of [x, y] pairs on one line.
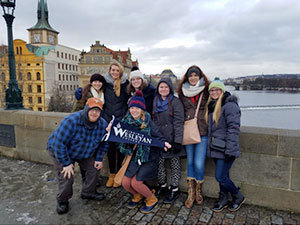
[[148, 93], [190, 110], [228, 128], [148, 170], [115, 105], [171, 125]]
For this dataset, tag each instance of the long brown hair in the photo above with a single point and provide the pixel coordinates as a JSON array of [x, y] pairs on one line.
[[185, 79], [217, 109], [117, 82], [85, 92], [131, 89]]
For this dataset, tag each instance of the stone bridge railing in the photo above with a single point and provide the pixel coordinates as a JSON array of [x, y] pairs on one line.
[[268, 171]]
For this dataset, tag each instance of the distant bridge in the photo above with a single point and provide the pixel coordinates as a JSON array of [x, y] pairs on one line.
[[264, 107]]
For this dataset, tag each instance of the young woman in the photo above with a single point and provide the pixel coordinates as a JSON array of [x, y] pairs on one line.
[[144, 162], [193, 87], [116, 98], [93, 89], [223, 117], [137, 82], [168, 115]]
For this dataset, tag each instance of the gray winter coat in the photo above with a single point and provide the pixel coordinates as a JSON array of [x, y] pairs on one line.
[[170, 123], [228, 128]]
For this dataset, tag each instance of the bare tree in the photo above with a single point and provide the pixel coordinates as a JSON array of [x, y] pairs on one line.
[[60, 101]]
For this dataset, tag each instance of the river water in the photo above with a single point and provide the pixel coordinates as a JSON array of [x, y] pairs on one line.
[[269, 109]]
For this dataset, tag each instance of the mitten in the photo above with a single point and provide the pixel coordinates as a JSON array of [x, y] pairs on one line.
[[78, 93], [176, 147]]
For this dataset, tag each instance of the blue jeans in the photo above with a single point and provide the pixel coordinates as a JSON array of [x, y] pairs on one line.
[[222, 176], [196, 155]]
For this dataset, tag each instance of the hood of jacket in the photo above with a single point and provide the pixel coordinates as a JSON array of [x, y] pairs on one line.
[[168, 81]]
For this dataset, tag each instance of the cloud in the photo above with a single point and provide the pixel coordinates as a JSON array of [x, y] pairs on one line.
[[224, 37]]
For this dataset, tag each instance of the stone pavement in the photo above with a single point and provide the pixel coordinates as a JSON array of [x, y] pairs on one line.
[[27, 196]]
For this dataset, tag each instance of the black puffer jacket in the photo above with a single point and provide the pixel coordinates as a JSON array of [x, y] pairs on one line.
[[228, 128], [171, 123], [148, 93], [115, 105]]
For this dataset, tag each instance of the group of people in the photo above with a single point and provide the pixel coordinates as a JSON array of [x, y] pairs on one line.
[[159, 113]]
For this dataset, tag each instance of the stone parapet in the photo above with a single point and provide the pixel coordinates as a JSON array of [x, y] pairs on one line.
[[268, 171]]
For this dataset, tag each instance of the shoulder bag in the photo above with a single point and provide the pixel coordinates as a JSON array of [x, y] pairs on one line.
[[119, 176], [191, 134]]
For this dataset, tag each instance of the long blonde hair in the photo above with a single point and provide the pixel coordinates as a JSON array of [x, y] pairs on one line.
[[217, 109], [117, 82], [143, 116]]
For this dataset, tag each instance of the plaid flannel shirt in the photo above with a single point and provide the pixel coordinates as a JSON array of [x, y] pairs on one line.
[[72, 141]]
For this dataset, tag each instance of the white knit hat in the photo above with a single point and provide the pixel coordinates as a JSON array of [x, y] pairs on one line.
[[136, 73]]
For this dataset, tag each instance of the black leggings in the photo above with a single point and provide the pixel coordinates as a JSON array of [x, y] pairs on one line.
[[115, 157]]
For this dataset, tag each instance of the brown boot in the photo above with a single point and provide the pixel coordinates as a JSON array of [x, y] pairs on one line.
[[191, 193], [135, 201], [110, 180], [199, 197], [151, 203], [115, 185]]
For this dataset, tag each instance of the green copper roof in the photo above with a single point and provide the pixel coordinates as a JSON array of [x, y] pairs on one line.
[[40, 50], [42, 14]]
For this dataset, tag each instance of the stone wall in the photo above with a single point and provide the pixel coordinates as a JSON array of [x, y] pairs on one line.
[[268, 171]]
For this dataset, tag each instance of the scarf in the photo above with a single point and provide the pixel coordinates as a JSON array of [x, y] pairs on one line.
[[85, 118], [97, 95], [142, 151], [160, 104], [190, 91]]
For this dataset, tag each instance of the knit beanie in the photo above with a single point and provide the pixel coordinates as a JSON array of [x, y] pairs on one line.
[[193, 70], [137, 100], [134, 68], [136, 73], [217, 83], [98, 77]]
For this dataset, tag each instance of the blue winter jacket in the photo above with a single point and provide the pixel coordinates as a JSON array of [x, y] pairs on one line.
[[228, 128]]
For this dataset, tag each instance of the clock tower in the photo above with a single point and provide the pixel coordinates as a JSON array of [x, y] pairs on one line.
[[42, 33]]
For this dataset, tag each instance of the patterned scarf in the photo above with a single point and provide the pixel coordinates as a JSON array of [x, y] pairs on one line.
[[142, 151]]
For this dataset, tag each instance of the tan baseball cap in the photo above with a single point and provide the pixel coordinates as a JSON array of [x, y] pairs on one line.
[[94, 102]]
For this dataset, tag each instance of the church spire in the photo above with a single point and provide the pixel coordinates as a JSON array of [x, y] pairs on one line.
[[43, 15]]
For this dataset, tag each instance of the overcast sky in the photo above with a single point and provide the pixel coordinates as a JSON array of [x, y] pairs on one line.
[[225, 38]]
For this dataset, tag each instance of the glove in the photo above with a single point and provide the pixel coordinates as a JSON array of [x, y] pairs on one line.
[[78, 93], [229, 157], [176, 147]]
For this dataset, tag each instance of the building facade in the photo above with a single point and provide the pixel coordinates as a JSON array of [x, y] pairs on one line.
[[98, 59], [43, 67]]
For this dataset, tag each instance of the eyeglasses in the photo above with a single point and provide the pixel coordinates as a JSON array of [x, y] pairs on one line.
[[215, 90]]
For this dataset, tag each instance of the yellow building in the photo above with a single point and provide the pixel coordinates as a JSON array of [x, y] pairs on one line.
[[44, 68], [29, 74]]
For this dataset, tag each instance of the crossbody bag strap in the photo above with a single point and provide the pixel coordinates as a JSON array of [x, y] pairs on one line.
[[198, 106]]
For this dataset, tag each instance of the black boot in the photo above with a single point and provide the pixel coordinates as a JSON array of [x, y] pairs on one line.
[[237, 200], [161, 190], [93, 196], [62, 207], [222, 203], [172, 195]]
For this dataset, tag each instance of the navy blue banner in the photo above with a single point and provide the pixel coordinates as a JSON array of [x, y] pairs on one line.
[[123, 133]]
